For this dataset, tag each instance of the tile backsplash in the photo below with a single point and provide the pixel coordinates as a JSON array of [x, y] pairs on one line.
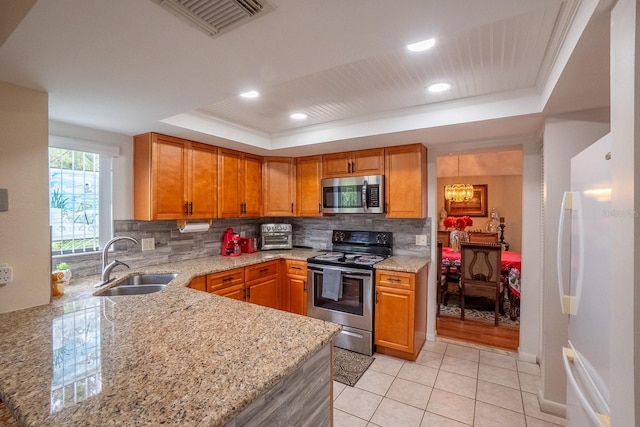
[[171, 245]]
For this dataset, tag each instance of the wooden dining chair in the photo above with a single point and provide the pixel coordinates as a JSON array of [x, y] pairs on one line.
[[482, 237], [444, 237], [449, 280], [480, 273]]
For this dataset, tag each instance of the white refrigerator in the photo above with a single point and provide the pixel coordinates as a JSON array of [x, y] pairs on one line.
[[584, 282]]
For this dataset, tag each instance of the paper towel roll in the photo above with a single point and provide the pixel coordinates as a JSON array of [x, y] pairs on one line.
[[194, 227]]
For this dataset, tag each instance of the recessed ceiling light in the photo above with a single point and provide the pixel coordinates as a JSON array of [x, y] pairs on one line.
[[250, 94], [421, 46], [439, 87], [298, 116]]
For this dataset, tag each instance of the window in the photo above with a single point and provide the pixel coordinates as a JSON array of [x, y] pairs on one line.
[[80, 200]]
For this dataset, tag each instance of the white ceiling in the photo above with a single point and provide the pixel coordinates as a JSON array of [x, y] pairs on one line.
[[130, 66]]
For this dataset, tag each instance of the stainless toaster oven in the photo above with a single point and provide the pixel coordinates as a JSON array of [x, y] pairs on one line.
[[275, 236]]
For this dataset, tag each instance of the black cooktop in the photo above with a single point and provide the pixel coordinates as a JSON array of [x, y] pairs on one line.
[[356, 249]]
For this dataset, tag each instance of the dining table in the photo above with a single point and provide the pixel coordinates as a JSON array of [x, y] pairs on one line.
[[510, 266]]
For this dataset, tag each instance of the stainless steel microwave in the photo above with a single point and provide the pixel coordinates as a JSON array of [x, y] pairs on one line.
[[357, 194]]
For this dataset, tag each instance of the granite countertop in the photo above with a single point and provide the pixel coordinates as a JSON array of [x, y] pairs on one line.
[[170, 357], [408, 264]]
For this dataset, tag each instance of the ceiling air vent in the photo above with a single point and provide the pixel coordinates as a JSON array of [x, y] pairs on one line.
[[216, 16]]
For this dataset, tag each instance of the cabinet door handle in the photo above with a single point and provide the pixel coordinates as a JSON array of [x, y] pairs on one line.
[[248, 294], [186, 208], [348, 167], [291, 207], [190, 208], [376, 297], [319, 207], [304, 285]]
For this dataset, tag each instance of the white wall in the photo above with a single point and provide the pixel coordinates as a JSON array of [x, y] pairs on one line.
[[625, 202], [563, 139], [24, 228], [530, 303]]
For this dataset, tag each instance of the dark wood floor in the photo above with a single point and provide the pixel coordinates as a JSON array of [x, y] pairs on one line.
[[506, 337]]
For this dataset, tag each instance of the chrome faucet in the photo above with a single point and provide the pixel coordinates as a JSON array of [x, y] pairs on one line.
[[108, 267]]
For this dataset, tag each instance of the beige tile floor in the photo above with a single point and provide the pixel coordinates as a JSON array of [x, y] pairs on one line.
[[450, 384]]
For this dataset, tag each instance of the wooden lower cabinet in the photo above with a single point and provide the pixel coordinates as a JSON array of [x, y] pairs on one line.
[[400, 313], [226, 283], [279, 284], [199, 283], [263, 292], [261, 285], [296, 286]]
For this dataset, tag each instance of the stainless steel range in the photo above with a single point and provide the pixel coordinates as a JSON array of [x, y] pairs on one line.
[[342, 285]]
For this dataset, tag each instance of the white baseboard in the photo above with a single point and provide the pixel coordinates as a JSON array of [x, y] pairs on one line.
[[551, 407], [527, 357]]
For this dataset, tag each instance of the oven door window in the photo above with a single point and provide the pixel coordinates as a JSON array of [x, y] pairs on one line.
[[351, 300]]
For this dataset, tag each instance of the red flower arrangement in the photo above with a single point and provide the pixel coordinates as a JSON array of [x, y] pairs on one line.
[[459, 223]]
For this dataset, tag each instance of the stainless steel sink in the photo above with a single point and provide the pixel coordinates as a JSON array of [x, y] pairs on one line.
[[139, 284]]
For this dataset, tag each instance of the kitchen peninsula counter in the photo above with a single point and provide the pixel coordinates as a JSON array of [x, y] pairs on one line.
[[178, 356]]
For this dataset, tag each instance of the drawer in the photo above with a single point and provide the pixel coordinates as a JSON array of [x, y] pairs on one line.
[[224, 279], [296, 268], [261, 270], [395, 279]]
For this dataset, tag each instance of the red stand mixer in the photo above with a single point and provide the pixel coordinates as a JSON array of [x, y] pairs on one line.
[[230, 243]]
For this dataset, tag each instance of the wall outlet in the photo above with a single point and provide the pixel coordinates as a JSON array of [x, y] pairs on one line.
[[148, 244], [421, 240], [6, 275]]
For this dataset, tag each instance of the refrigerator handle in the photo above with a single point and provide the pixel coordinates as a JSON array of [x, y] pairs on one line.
[[570, 202], [569, 357]]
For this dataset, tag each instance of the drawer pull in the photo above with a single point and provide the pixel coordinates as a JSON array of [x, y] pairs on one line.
[[393, 279], [262, 270], [226, 279]]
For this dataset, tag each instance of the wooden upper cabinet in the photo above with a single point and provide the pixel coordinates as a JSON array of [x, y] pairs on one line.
[[406, 181], [240, 184], [356, 163], [252, 184], [279, 184], [202, 181], [308, 186], [173, 178]]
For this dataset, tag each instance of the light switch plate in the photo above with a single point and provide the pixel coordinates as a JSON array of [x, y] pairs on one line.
[[421, 240], [148, 244]]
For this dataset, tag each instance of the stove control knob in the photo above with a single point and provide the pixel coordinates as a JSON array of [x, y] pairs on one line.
[[339, 236], [382, 238]]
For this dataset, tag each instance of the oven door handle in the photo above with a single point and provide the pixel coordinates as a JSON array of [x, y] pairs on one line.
[[344, 272]]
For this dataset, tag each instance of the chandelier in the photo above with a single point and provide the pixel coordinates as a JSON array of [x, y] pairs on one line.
[[458, 192]]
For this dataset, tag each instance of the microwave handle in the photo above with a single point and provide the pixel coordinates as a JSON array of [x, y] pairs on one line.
[[364, 195]]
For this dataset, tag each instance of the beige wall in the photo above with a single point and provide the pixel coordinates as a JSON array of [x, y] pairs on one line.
[[504, 192], [24, 228]]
